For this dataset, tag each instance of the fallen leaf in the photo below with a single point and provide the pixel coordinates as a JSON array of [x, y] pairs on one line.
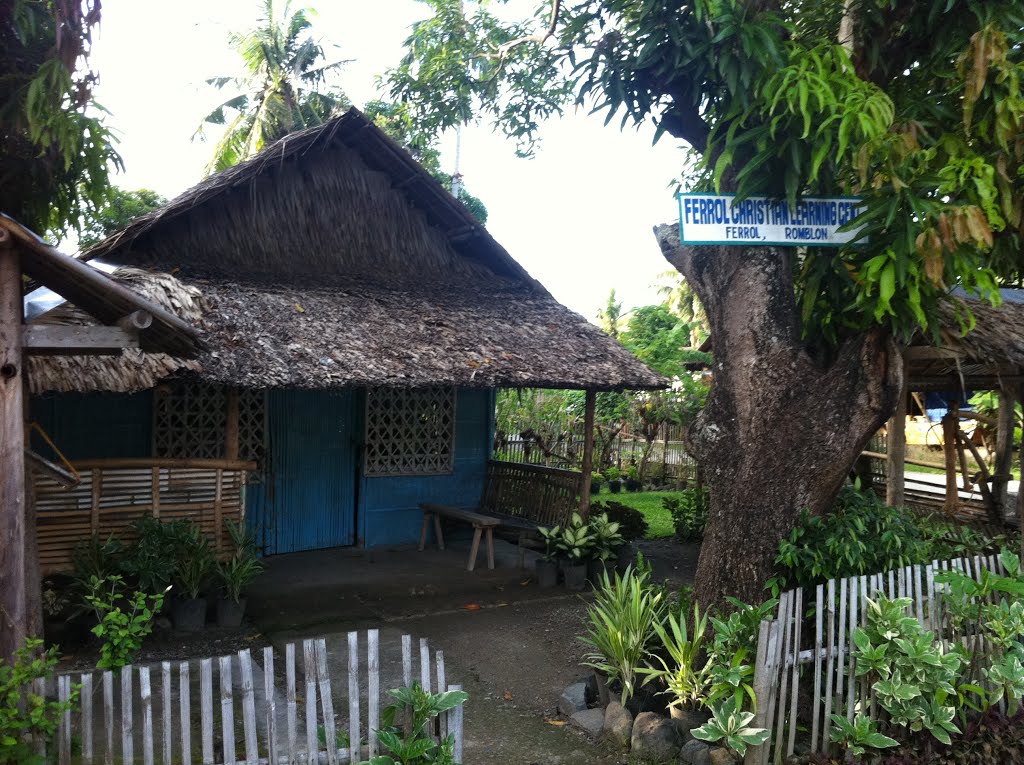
[[299, 308], [549, 721], [507, 695], [471, 607]]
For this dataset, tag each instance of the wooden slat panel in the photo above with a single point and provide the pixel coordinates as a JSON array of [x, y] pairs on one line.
[[112, 496]]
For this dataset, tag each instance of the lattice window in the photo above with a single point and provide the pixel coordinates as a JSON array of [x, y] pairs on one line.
[[410, 432], [252, 425], [189, 421]]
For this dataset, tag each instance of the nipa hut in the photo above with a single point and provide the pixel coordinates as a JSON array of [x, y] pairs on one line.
[[981, 349], [357, 321]]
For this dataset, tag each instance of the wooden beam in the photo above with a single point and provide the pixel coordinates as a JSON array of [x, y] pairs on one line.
[[77, 340], [99, 295], [231, 446], [984, 484], [929, 353], [13, 613], [1020, 489], [949, 429], [967, 414], [907, 460], [942, 384], [1004, 451], [588, 452], [896, 439]]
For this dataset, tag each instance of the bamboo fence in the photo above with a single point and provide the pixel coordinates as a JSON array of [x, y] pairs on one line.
[[804, 676], [230, 710]]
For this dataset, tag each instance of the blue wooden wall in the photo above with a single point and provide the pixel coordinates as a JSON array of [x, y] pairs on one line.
[[388, 506], [95, 425], [313, 493]]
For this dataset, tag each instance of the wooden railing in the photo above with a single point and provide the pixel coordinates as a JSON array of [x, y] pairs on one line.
[[114, 493], [544, 495]]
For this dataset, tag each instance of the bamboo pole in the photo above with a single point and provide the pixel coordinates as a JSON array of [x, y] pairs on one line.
[[896, 436], [13, 615], [588, 453]]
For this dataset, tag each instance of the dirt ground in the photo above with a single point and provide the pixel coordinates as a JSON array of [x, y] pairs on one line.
[[514, 650], [512, 645]]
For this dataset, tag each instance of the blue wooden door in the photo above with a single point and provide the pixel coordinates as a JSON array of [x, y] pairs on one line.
[[307, 499]]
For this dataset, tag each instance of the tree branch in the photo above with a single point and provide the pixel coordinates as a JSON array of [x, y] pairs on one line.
[[540, 38]]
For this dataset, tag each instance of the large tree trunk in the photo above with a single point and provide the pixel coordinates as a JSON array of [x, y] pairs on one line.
[[780, 430]]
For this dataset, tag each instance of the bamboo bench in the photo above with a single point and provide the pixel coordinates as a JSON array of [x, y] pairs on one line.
[[517, 499]]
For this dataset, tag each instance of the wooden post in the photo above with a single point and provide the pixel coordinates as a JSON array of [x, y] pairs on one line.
[[588, 452], [950, 425], [13, 617], [1020, 487], [1004, 453], [231, 428], [896, 438]]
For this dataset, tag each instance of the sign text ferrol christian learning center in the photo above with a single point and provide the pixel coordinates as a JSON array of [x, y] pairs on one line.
[[719, 219]]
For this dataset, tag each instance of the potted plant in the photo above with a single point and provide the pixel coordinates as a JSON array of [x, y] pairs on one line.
[[235, 574], [547, 564], [194, 564], [595, 483], [686, 676], [605, 548], [614, 475], [574, 544], [632, 479]]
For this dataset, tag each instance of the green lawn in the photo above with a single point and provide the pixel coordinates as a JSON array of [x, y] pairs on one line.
[[649, 503]]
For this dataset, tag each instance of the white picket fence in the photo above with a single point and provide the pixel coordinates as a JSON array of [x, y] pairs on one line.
[[246, 717], [786, 657]]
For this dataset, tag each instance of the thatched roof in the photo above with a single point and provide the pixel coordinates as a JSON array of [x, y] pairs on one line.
[[989, 355], [333, 259], [134, 369]]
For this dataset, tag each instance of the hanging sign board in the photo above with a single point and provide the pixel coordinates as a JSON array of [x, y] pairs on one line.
[[719, 219]]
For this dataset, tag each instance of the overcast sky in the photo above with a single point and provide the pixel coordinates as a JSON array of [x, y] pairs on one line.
[[578, 216]]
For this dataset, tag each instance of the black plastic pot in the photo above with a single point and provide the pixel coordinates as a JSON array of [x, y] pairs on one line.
[[615, 486], [594, 570], [189, 614], [632, 484], [230, 613], [575, 576], [595, 487], [547, 572]]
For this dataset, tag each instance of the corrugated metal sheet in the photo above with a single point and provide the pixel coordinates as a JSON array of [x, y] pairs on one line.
[[307, 498]]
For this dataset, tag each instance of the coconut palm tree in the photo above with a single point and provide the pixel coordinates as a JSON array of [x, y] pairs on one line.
[[282, 91], [683, 302]]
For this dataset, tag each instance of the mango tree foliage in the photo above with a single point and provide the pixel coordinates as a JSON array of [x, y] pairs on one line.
[[912, 105], [57, 149], [917, 109]]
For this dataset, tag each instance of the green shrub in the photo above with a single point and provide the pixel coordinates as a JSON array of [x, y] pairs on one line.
[[912, 679], [862, 535], [25, 717], [151, 562], [417, 745], [689, 513], [624, 618], [632, 523], [124, 621]]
